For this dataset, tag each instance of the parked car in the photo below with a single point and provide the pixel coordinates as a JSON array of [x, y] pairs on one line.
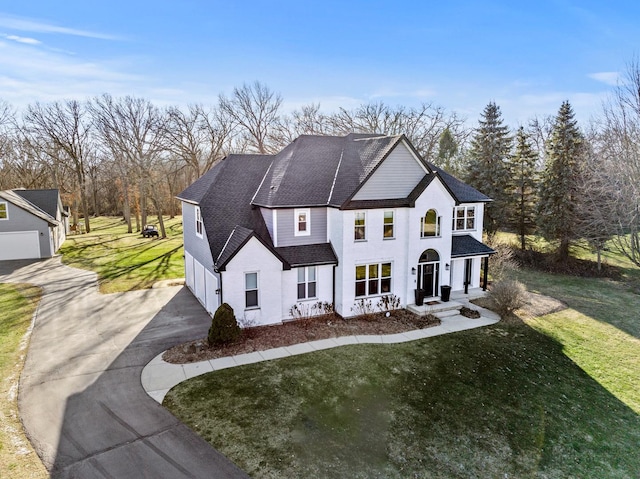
[[150, 230]]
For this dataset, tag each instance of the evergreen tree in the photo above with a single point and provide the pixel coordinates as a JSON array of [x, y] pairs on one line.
[[447, 149], [558, 204], [488, 168], [524, 177]]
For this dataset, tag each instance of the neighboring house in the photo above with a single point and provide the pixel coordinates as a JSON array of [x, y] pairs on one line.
[[33, 223], [329, 219]]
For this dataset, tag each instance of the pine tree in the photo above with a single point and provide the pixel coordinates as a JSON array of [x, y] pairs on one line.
[[447, 149], [559, 186], [488, 168], [524, 177]]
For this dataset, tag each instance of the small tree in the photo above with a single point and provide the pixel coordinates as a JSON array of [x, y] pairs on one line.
[[224, 327]]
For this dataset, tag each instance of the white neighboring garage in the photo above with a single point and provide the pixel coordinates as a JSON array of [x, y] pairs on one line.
[[33, 224], [19, 245]]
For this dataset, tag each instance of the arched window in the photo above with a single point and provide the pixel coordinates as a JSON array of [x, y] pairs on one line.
[[430, 224], [429, 256]]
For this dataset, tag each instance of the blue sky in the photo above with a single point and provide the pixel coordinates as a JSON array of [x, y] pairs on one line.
[[526, 56]]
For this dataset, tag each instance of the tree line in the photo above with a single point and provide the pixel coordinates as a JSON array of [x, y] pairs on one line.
[[126, 156]]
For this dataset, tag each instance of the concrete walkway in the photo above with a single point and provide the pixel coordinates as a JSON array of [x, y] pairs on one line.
[[158, 376]]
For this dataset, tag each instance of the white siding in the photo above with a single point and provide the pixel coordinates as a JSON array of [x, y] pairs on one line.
[[396, 177], [254, 257], [324, 285]]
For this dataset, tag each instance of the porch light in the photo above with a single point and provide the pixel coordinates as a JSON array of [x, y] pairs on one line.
[[446, 266], [413, 271]]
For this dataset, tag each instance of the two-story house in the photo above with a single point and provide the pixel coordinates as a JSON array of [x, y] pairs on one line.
[[329, 219]]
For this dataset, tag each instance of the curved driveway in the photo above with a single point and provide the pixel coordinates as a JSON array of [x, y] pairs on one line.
[[81, 400]]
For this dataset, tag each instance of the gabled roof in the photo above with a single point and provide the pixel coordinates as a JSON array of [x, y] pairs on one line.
[[20, 202], [311, 171], [321, 170], [308, 254], [467, 245], [47, 200], [461, 191], [224, 195]]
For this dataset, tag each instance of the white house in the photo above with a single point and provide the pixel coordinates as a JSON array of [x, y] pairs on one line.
[[33, 223], [329, 219]]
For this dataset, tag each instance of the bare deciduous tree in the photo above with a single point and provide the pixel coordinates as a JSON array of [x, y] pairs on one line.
[[254, 110], [62, 130]]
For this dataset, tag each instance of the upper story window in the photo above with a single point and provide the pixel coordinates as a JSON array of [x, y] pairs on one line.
[[4, 211], [388, 231], [251, 290], [302, 222], [359, 226], [430, 224], [307, 282], [199, 225], [464, 218]]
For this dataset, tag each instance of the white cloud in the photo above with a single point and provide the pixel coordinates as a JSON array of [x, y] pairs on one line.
[[26, 40], [609, 78], [11, 22]]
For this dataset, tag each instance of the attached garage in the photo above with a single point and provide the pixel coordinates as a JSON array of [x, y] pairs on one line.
[[202, 283], [19, 245]]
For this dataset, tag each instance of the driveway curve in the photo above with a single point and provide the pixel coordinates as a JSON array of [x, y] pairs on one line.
[[81, 399]]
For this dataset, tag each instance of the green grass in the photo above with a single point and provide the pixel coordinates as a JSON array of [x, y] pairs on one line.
[[556, 396], [17, 305], [126, 261]]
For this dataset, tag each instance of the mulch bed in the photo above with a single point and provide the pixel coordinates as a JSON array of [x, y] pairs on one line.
[[293, 332], [469, 313]]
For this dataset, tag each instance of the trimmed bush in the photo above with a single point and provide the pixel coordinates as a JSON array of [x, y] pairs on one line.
[[224, 327], [507, 296]]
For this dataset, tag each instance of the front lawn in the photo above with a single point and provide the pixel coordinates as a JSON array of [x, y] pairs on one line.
[[17, 458], [126, 261], [554, 396], [502, 401]]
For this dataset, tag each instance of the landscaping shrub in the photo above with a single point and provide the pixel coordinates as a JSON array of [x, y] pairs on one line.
[[224, 327], [507, 296], [503, 263]]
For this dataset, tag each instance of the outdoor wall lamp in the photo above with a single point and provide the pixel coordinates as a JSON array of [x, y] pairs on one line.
[[413, 271], [446, 266]]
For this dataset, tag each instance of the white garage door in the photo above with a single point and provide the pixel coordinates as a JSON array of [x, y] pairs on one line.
[[198, 273], [19, 245], [188, 270], [211, 285]]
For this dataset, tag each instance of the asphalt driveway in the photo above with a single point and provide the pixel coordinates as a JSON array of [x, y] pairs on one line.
[[80, 397]]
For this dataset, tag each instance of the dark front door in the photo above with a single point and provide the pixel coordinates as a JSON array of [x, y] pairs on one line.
[[429, 279]]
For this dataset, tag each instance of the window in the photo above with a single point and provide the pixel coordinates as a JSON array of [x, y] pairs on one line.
[[372, 279], [302, 226], [464, 218], [387, 232], [4, 212], [359, 230], [430, 224], [199, 226], [251, 290], [307, 282]]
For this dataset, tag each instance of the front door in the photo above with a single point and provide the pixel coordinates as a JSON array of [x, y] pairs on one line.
[[429, 273]]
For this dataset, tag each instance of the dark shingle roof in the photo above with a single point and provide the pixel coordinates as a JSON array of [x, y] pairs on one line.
[[467, 245], [308, 255], [46, 200], [321, 170], [19, 201], [462, 191], [224, 194]]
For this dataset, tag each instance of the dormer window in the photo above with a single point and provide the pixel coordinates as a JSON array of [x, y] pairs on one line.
[[302, 222]]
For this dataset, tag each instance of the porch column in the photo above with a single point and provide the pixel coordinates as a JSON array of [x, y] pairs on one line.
[[486, 273]]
